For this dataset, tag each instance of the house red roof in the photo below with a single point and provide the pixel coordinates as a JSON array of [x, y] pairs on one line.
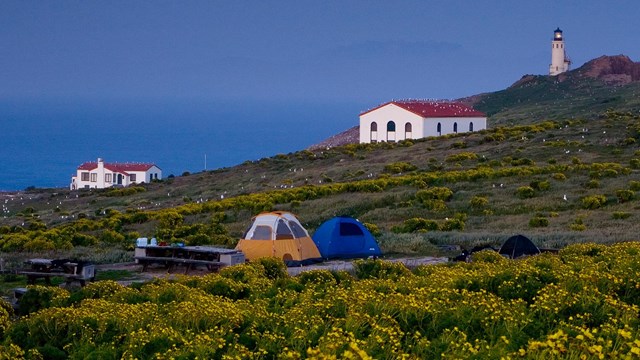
[[430, 108], [117, 167]]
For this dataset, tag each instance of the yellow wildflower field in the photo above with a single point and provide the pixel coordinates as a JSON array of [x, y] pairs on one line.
[[581, 303]]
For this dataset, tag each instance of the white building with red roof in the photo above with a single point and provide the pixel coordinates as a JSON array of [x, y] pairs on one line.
[[414, 119], [100, 175]]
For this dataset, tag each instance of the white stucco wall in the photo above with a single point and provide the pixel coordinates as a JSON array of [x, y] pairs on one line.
[[447, 125], [153, 173], [382, 116]]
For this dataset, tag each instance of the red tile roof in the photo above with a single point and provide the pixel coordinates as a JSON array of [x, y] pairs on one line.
[[431, 108], [117, 167]]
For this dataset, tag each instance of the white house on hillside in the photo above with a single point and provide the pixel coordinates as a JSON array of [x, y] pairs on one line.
[[415, 119], [100, 175]]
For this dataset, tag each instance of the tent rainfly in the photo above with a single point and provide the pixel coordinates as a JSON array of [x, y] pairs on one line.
[[517, 246], [345, 237], [279, 234]]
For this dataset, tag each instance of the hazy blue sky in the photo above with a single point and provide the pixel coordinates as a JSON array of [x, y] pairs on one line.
[[362, 51]]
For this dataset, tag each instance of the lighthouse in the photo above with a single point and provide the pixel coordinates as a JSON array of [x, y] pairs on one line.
[[559, 60]]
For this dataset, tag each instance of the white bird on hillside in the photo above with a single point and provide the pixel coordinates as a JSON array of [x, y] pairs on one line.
[[564, 197]]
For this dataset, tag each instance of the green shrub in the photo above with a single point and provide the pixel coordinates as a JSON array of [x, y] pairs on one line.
[[620, 215], [399, 167], [461, 157], [522, 162], [592, 184], [559, 176], [625, 195], [435, 205], [479, 202], [378, 269], [578, 225], [419, 224], [541, 185], [487, 256], [129, 190], [634, 185], [434, 193], [373, 229], [316, 277], [538, 221], [525, 192], [593, 201], [452, 224], [273, 268], [40, 297], [112, 237], [634, 163]]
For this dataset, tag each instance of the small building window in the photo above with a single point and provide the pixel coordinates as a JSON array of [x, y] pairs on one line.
[[132, 177], [107, 178], [373, 136], [407, 131], [439, 129], [470, 126], [94, 177], [84, 176], [391, 131], [455, 127]]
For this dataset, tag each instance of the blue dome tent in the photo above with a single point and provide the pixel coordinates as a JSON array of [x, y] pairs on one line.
[[345, 237]]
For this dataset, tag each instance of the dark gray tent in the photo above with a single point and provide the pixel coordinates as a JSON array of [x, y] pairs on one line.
[[517, 246]]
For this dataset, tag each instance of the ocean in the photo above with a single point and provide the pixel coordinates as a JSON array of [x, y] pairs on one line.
[[43, 142]]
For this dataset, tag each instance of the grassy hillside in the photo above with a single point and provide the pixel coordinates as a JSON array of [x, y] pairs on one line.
[[536, 98], [608, 82], [466, 189]]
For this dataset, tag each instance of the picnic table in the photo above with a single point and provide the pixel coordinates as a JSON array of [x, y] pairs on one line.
[[171, 257], [71, 271]]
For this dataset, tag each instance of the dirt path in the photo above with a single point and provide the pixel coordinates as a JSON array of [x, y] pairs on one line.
[[333, 265]]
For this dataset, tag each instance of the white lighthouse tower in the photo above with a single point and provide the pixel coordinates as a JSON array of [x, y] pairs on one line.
[[559, 60]]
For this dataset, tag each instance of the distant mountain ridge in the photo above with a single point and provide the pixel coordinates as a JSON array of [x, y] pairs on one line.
[[607, 82]]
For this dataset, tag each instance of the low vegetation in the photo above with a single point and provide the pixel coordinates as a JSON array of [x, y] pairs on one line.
[[580, 303]]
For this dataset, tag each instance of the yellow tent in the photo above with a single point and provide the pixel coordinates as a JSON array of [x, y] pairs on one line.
[[281, 235]]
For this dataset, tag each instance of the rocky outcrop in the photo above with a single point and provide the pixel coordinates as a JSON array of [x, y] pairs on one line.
[[350, 136], [612, 70]]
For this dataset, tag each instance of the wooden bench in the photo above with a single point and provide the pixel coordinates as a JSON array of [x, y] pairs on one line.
[[32, 276], [170, 262], [86, 273]]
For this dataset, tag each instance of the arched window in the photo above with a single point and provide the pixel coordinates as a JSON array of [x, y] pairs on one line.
[[439, 129], [470, 126], [408, 134], [455, 127], [374, 132], [391, 131]]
